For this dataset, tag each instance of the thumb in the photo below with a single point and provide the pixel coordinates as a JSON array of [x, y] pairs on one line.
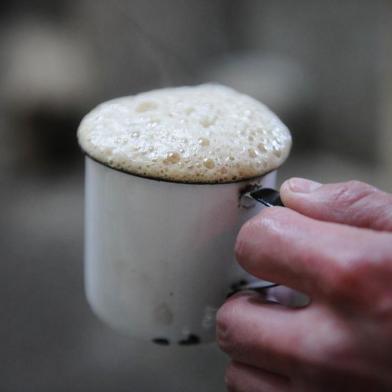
[[353, 203]]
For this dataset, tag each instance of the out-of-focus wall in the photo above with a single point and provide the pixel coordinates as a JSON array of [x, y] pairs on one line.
[[385, 110], [342, 46], [150, 44]]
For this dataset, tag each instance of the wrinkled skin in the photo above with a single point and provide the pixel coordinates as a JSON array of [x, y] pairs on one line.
[[333, 243]]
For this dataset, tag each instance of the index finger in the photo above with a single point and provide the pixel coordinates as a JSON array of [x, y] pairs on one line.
[[283, 246], [354, 203]]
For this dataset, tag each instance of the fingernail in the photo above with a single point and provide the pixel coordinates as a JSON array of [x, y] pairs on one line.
[[302, 185]]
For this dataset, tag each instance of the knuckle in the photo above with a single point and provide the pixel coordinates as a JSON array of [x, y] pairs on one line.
[[351, 277], [333, 351], [351, 192], [360, 273], [359, 186], [352, 269], [343, 284], [336, 345]]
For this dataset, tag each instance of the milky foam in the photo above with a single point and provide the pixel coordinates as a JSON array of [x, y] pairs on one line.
[[206, 133]]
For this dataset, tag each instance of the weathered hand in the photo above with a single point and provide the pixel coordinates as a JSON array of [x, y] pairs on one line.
[[333, 243]]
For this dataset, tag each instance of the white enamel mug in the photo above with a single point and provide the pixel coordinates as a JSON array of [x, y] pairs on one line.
[[159, 256]]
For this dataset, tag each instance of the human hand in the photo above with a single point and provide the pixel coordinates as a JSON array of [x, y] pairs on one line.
[[333, 243]]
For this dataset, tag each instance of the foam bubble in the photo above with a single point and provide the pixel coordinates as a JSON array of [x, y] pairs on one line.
[[146, 106], [171, 158], [208, 163], [261, 147], [252, 153], [203, 141], [206, 133]]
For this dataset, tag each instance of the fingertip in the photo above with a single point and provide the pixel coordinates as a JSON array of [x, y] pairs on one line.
[[285, 192], [300, 185], [285, 187], [230, 315], [226, 318], [250, 232], [295, 191], [271, 222], [232, 306]]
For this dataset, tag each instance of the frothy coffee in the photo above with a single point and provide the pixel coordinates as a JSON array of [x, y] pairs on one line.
[[207, 133]]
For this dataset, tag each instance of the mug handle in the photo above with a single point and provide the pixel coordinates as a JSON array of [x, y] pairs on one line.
[[267, 196]]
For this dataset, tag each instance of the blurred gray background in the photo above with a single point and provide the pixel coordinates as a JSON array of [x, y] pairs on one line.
[[324, 67]]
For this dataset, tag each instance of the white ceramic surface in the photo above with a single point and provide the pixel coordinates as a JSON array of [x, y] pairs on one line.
[[159, 255]]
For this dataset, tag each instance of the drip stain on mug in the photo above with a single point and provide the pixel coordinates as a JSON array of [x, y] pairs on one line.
[[190, 340], [161, 341]]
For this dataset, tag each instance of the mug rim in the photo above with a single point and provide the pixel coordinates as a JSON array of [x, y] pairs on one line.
[[158, 179]]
